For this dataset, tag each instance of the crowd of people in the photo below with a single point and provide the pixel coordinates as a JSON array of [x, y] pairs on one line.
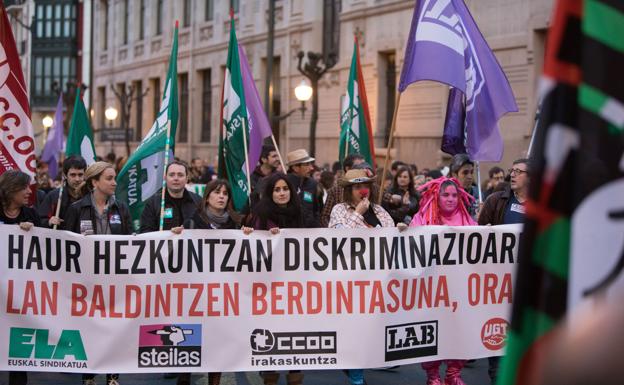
[[303, 196]]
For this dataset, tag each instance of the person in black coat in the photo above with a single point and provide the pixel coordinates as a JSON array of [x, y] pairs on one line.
[[211, 214], [401, 199], [300, 166], [14, 196], [73, 178], [99, 213], [180, 204]]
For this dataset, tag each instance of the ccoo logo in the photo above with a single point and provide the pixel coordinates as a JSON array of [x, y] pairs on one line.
[[494, 333]]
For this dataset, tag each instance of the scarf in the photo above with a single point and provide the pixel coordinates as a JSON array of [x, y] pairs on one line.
[[370, 217], [215, 219]]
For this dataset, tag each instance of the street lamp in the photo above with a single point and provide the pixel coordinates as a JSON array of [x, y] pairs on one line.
[[47, 123], [303, 93], [314, 70], [111, 114]]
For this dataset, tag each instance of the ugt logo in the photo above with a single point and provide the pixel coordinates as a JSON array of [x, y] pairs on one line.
[[26, 342]]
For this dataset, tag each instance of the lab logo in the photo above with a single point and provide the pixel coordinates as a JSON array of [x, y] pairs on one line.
[[412, 340]]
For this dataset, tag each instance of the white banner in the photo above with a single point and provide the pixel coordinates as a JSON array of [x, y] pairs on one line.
[[215, 301]]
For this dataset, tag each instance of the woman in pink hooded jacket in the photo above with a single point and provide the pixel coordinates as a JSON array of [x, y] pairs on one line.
[[444, 203]]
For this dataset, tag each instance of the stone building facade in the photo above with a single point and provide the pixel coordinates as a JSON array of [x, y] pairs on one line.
[[132, 42]]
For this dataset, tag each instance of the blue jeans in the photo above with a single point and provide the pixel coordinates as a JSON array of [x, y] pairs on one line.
[[356, 376]]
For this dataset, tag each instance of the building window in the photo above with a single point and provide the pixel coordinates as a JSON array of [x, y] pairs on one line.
[[235, 5], [104, 25], [126, 17], [155, 85], [138, 95], [387, 95], [141, 19], [186, 16], [209, 10], [159, 15], [331, 30], [48, 70], [101, 119], [275, 96], [55, 20], [206, 105], [184, 108]]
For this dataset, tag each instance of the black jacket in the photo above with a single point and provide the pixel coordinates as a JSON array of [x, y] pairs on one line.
[[47, 208], [198, 222], [119, 218], [310, 203], [150, 217]]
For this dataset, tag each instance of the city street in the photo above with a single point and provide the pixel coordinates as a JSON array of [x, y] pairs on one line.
[[475, 374]]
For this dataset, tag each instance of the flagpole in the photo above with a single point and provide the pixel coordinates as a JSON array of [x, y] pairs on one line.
[[347, 144], [247, 160], [279, 155], [346, 153], [534, 133], [390, 142], [479, 181], [58, 201], [164, 180]]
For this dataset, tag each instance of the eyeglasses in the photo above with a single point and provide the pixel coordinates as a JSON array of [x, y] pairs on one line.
[[517, 171]]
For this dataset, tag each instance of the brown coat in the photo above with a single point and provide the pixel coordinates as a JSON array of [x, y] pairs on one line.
[[493, 211]]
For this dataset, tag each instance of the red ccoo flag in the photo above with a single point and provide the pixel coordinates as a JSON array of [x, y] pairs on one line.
[[17, 145]]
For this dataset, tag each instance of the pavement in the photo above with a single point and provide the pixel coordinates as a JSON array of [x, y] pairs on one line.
[[474, 374]]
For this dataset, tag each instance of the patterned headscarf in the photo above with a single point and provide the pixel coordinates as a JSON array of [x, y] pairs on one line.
[[429, 211]]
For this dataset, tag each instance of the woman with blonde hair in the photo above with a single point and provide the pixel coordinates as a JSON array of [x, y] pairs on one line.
[[99, 213]]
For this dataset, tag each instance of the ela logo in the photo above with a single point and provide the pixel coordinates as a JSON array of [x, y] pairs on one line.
[[167, 345], [24, 342]]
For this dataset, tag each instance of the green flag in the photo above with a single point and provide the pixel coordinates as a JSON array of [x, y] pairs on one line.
[[80, 139], [142, 175], [355, 124], [234, 135]]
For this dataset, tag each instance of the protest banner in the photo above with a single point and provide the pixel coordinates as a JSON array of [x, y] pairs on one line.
[[218, 300]]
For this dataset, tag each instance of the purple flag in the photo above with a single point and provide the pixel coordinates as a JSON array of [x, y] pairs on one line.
[[445, 45], [259, 127], [54, 143], [453, 138]]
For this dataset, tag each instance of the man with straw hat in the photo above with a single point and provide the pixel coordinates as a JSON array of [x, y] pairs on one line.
[[300, 166]]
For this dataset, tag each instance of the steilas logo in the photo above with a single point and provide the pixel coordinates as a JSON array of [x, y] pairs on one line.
[[170, 346], [494, 333]]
